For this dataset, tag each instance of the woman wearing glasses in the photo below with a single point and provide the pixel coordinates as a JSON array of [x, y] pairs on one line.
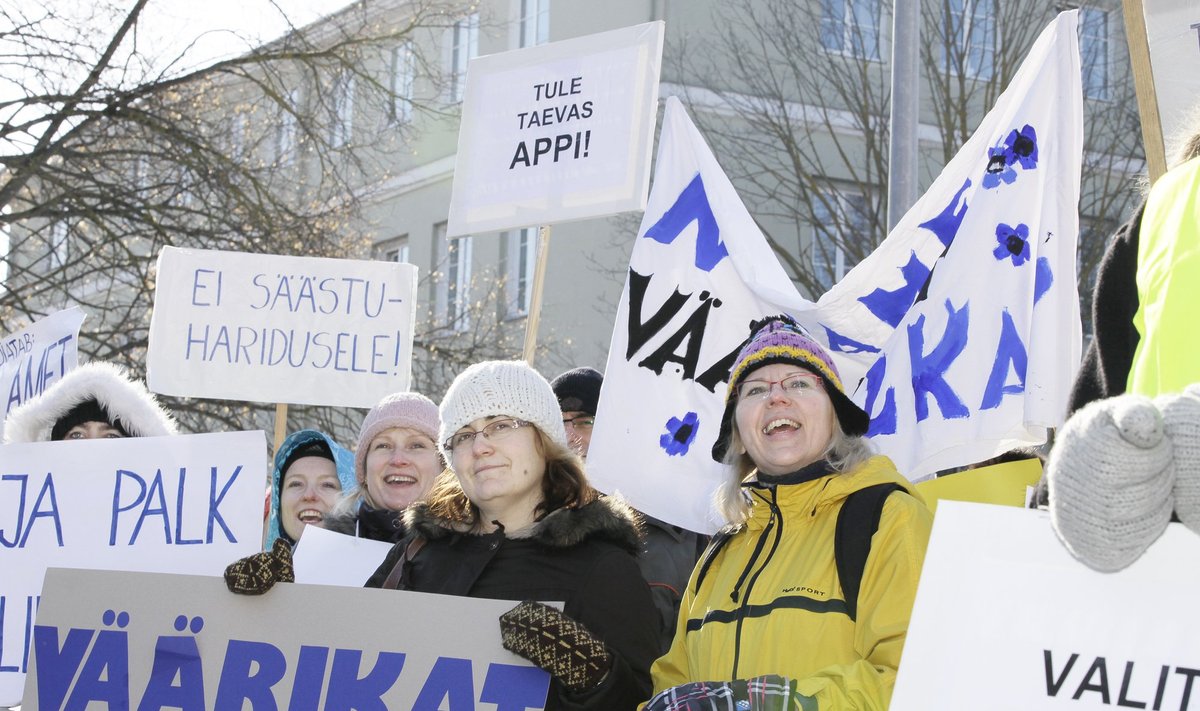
[[514, 518], [767, 618]]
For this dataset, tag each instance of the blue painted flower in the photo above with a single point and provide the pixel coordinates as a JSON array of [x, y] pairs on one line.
[[680, 434], [998, 168], [1022, 148], [1014, 243]]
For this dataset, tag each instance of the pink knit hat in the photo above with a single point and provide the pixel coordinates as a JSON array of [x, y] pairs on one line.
[[412, 410]]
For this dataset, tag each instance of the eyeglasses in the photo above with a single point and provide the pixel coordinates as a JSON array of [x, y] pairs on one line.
[[492, 432], [794, 385], [580, 422]]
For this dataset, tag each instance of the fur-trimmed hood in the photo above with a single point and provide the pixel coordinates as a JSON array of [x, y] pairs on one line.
[[605, 518], [125, 400]]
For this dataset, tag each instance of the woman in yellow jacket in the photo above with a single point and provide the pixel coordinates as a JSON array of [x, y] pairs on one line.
[[765, 620]]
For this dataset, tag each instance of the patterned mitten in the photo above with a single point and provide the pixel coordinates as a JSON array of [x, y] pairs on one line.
[[1111, 475], [556, 643], [255, 574], [1181, 419]]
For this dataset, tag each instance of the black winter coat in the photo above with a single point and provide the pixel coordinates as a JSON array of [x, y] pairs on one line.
[[374, 524], [585, 558]]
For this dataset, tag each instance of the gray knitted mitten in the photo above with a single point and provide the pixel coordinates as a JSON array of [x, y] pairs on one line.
[[1111, 475], [1181, 419]]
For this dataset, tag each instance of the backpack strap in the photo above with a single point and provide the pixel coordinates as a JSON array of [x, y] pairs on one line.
[[397, 578], [856, 525], [714, 546]]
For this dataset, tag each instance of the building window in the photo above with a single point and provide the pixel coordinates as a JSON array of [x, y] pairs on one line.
[[969, 38], [60, 244], [1093, 50], [342, 126], [404, 74], [851, 27], [452, 298], [535, 22], [394, 250], [465, 46], [839, 219], [285, 134], [520, 258]]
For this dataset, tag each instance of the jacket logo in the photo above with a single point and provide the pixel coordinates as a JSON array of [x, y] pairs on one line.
[[805, 589]]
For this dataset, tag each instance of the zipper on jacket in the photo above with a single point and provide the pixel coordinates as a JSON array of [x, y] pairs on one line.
[[776, 515]]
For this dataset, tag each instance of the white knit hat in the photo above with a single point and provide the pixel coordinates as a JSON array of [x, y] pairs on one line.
[[1181, 419], [501, 387], [1110, 476]]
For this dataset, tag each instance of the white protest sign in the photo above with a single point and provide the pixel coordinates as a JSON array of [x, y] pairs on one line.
[[561, 131], [267, 328], [182, 504], [164, 641], [1173, 34], [329, 558], [35, 358], [1045, 631]]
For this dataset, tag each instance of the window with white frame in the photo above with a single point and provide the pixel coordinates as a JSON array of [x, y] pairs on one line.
[[465, 45], [535, 22], [840, 218], [969, 37], [851, 27], [1094, 52], [60, 244], [403, 76], [285, 133], [342, 126], [393, 250], [520, 261], [452, 297]]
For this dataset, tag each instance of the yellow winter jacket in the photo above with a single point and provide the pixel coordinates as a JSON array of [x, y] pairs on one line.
[[770, 602]]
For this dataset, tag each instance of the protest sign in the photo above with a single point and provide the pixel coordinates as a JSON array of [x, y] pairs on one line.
[[329, 558], [1173, 36], [1005, 484], [186, 642], [1044, 630], [183, 504], [267, 328], [35, 358], [942, 313], [561, 131]]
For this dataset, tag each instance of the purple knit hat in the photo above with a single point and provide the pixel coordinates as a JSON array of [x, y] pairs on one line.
[[779, 339], [412, 410]]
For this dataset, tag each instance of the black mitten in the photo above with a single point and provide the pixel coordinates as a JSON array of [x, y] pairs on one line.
[[255, 574], [556, 643]]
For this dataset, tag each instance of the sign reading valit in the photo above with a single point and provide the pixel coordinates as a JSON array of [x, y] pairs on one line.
[[267, 328], [1006, 619], [141, 641], [558, 132]]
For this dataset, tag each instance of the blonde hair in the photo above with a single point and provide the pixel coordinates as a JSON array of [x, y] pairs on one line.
[[843, 452]]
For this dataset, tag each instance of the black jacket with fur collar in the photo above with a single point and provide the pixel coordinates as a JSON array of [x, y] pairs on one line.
[[584, 558]]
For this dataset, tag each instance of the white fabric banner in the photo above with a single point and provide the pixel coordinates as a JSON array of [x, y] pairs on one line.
[[185, 642], [182, 504], [701, 271], [269, 328], [37, 357], [967, 315], [1044, 630], [557, 132]]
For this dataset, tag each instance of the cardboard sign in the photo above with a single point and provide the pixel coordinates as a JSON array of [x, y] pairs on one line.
[[329, 558], [167, 641], [183, 504], [1045, 631], [557, 132], [1173, 33], [1005, 484], [37, 357], [266, 328]]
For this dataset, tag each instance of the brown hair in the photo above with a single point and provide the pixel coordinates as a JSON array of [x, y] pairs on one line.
[[564, 485]]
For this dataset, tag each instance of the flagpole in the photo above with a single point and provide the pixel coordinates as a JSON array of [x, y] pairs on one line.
[[535, 300], [1143, 85], [905, 109]]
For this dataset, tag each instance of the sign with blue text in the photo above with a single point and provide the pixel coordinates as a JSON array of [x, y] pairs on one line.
[[170, 641], [1047, 632], [35, 358], [557, 132], [269, 328], [182, 504]]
